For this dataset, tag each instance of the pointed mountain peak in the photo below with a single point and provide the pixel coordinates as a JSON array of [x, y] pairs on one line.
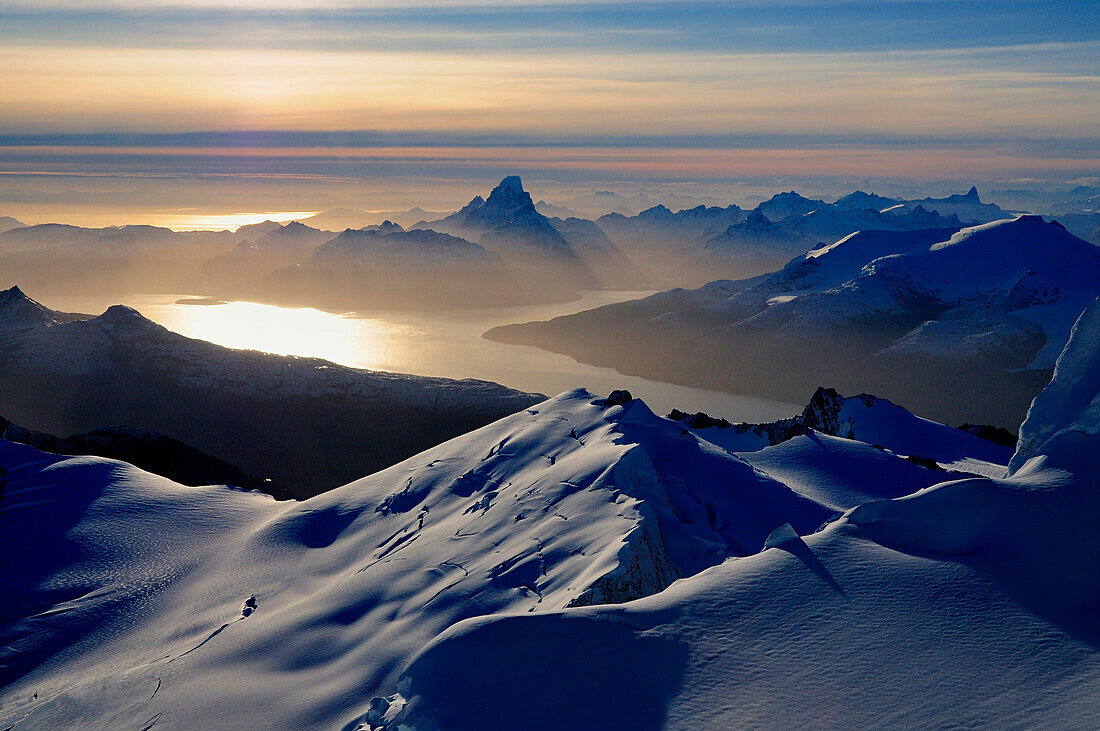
[[17, 309], [973, 192], [12, 294], [7, 223], [656, 212], [389, 227], [476, 203]]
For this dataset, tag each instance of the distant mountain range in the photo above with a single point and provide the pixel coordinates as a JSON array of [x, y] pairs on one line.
[[547, 253], [964, 325], [387, 267], [340, 219], [546, 257]]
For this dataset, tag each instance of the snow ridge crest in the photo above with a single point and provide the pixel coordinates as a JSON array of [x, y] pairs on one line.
[[1070, 405]]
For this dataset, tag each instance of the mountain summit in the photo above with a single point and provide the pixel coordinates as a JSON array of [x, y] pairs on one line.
[[553, 255]]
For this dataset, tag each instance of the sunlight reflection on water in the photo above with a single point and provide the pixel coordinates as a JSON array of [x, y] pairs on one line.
[[445, 344]]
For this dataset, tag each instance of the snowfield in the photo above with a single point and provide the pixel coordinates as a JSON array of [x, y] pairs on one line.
[[583, 563]]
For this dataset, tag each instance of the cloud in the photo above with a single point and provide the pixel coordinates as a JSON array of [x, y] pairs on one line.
[[1002, 76]]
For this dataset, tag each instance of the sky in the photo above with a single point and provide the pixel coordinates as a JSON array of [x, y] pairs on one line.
[[430, 95]]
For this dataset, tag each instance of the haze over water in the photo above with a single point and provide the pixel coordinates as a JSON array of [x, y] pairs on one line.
[[446, 344]]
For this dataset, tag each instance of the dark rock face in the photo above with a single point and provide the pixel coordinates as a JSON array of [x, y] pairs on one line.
[[618, 397], [925, 462], [994, 434], [698, 420], [823, 414], [152, 452]]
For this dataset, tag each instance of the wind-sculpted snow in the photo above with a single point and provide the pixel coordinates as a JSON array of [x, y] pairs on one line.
[[974, 602], [133, 604], [582, 563], [864, 418], [481, 584], [1066, 415]]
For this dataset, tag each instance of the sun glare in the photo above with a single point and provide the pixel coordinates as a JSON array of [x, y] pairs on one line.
[[231, 221], [302, 331]]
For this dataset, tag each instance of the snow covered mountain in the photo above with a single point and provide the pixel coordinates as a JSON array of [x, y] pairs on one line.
[[868, 419], [1083, 225], [698, 245], [307, 423], [757, 245], [658, 229], [784, 205], [859, 200], [573, 502], [972, 602], [964, 326], [552, 211], [581, 563], [253, 231]]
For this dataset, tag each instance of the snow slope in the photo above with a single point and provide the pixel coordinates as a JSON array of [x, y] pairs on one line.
[[468, 587], [975, 602], [212, 607], [1066, 415], [867, 419]]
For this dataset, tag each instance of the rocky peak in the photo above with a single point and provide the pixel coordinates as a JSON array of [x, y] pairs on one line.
[[657, 211], [510, 199], [822, 413]]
